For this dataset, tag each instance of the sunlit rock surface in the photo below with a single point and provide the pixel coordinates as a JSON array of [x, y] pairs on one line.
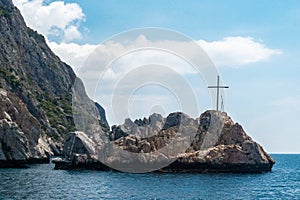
[[210, 143]]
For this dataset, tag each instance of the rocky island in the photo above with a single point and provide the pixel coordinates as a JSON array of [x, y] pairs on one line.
[[37, 120], [219, 145]]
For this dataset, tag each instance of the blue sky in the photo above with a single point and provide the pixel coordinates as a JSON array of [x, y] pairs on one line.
[[210, 20], [264, 94]]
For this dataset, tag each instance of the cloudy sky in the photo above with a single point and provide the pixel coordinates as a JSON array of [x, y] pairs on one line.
[[253, 44]]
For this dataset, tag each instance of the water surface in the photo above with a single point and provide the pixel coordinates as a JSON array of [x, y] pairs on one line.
[[42, 182]]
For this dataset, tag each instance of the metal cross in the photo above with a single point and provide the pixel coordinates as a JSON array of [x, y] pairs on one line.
[[218, 87]]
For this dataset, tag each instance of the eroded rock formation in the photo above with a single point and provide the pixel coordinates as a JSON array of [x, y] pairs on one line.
[[178, 143]]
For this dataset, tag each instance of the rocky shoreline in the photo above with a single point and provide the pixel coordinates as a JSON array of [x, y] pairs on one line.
[[220, 145], [23, 163], [175, 167]]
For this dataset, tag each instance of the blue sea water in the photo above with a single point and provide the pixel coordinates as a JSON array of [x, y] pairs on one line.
[[42, 182]]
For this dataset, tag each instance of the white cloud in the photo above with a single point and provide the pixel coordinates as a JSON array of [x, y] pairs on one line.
[[56, 19], [72, 53], [128, 67], [62, 20], [72, 33], [229, 52], [237, 51]]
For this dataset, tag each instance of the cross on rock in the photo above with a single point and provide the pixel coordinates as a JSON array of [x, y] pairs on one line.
[[218, 88]]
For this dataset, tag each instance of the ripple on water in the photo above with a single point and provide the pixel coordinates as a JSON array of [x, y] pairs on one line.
[[42, 182]]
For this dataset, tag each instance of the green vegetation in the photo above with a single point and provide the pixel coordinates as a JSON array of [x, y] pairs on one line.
[[10, 78], [5, 13], [57, 109], [30, 81], [34, 34], [104, 128]]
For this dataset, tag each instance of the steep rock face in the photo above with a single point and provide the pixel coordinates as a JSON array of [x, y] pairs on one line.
[[36, 92], [80, 153], [212, 142], [20, 132], [222, 146], [101, 111]]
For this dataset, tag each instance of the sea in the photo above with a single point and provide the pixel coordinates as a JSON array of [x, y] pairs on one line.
[[41, 181]]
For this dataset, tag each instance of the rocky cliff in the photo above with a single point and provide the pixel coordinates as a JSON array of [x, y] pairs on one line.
[[45, 111], [221, 145], [178, 143], [35, 93]]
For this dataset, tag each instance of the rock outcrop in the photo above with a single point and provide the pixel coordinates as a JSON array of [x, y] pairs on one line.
[[20, 133], [35, 94], [178, 143], [223, 147]]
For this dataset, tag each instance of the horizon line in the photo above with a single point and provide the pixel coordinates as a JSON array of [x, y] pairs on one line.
[[295, 153]]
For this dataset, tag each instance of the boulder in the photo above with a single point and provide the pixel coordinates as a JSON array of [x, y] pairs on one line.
[[79, 153]]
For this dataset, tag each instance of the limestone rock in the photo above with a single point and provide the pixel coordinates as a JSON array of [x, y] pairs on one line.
[[35, 94], [222, 146], [102, 116], [218, 145], [80, 152]]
